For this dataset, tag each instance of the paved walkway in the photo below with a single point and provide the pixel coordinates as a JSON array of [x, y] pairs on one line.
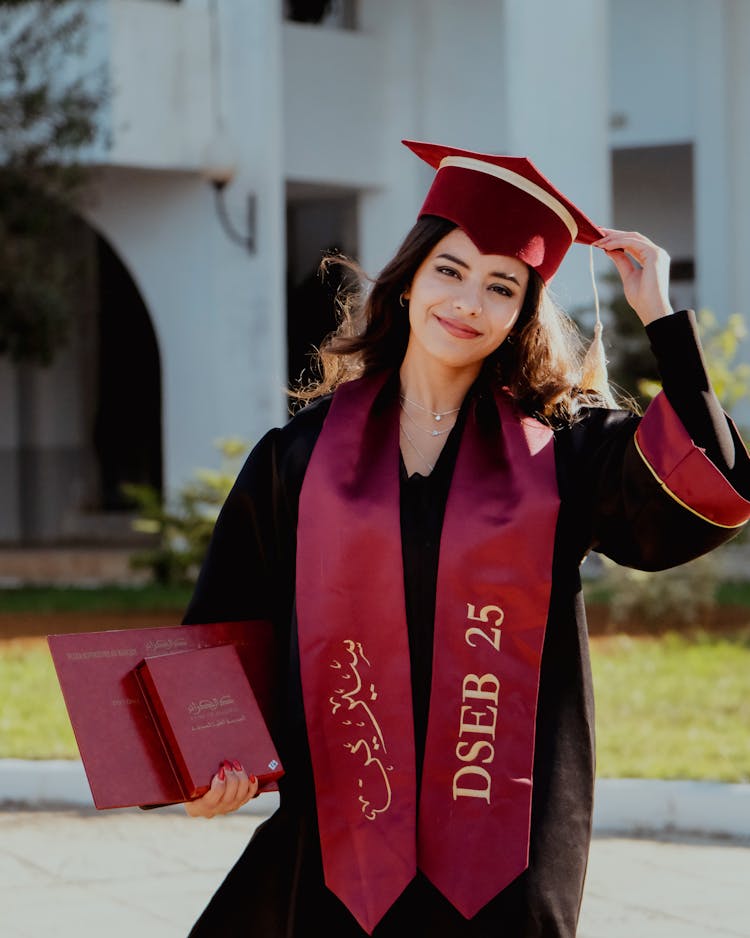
[[78, 873]]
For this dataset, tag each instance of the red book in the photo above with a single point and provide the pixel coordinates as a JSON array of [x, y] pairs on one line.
[[121, 749], [205, 711]]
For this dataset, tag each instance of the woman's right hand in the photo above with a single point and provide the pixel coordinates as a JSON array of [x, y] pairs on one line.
[[230, 789]]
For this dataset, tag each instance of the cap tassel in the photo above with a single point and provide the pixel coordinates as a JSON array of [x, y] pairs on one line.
[[594, 369]]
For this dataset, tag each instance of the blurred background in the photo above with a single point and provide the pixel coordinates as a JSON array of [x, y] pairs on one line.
[[161, 292], [171, 173]]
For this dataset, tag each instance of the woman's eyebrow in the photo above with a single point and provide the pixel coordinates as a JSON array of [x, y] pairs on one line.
[[498, 274]]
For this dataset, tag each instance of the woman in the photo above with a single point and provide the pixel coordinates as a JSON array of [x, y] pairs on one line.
[[415, 539]]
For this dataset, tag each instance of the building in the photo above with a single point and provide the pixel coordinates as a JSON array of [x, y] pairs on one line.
[[639, 109]]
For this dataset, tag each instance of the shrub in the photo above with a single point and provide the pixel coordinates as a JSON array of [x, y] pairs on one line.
[[183, 529], [655, 602], [685, 595]]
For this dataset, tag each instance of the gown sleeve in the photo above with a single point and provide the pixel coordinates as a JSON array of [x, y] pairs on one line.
[[658, 491]]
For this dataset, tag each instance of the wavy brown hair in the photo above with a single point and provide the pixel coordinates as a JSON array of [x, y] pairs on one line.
[[539, 363]]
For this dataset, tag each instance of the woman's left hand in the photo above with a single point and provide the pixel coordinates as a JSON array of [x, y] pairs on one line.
[[646, 283]]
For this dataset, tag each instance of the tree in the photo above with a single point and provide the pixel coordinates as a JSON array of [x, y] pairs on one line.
[[47, 119], [721, 346]]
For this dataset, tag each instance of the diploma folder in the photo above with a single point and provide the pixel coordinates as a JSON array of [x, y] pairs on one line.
[[127, 736]]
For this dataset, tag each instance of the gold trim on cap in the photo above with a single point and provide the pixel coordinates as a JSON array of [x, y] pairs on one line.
[[520, 182]]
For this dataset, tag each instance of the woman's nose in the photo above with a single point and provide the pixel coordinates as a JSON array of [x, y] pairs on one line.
[[468, 300]]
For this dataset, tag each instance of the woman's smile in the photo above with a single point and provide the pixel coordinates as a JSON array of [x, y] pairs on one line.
[[456, 328]]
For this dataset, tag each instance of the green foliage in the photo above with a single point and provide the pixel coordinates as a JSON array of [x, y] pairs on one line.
[[48, 116], [721, 345], [183, 529], [632, 367], [686, 594]]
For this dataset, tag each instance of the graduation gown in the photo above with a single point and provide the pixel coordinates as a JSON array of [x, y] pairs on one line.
[[612, 500]]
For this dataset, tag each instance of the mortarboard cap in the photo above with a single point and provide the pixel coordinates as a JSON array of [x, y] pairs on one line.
[[505, 205]]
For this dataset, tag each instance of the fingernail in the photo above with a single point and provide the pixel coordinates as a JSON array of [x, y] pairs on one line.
[[237, 766], [226, 764], [221, 774], [252, 779]]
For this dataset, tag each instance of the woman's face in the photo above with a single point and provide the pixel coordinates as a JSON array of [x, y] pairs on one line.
[[463, 304]]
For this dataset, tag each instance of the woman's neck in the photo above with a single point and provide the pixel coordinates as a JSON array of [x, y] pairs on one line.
[[435, 386]]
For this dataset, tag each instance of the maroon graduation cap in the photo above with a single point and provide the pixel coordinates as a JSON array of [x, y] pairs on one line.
[[505, 205]]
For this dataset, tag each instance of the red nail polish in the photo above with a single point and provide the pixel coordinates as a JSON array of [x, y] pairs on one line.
[[253, 779], [237, 766], [221, 774]]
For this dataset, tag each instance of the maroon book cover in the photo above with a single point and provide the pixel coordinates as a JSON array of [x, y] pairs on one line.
[[122, 753], [206, 711]]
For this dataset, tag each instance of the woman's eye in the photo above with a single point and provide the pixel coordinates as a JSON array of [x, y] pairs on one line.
[[502, 290], [449, 271]]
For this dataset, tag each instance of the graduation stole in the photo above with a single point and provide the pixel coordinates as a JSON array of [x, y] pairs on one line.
[[471, 835]]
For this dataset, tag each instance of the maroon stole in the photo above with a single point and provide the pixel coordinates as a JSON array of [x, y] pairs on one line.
[[472, 834]]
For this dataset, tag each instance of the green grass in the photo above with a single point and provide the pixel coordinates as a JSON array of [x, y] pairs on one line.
[[673, 707], [727, 593], [667, 707], [101, 599], [33, 719], [154, 598]]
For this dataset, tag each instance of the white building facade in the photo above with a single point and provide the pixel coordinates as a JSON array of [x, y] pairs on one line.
[[639, 110]]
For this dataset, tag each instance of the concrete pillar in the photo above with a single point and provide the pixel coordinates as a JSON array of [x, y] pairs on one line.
[[713, 195], [249, 289], [739, 145], [556, 111], [388, 211]]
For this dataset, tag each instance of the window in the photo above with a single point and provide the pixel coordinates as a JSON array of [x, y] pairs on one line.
[[335, 14]]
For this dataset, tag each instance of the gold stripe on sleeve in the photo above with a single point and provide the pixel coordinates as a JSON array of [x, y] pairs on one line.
[[676, 498]]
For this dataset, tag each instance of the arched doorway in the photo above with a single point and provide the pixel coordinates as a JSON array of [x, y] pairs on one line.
[[78, 428], [127, 431]]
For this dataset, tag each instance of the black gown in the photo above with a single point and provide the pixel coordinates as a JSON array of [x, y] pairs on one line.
[[610, 502]]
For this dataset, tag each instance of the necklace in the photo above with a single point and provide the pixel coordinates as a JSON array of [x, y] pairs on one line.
[[426, 429], [416, 449], [437, 414]]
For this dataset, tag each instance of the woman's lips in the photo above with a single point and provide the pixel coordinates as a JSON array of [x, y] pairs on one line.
[[460, 330]]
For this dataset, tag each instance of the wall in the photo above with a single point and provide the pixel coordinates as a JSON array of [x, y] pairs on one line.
[[557, 98], [654, 47], [161, 75]]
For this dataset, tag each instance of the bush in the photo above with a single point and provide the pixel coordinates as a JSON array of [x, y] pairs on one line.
[[653, 602], [685, 595], [183, 530]]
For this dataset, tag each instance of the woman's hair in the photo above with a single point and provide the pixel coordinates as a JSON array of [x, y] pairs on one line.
[[539, 362]]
